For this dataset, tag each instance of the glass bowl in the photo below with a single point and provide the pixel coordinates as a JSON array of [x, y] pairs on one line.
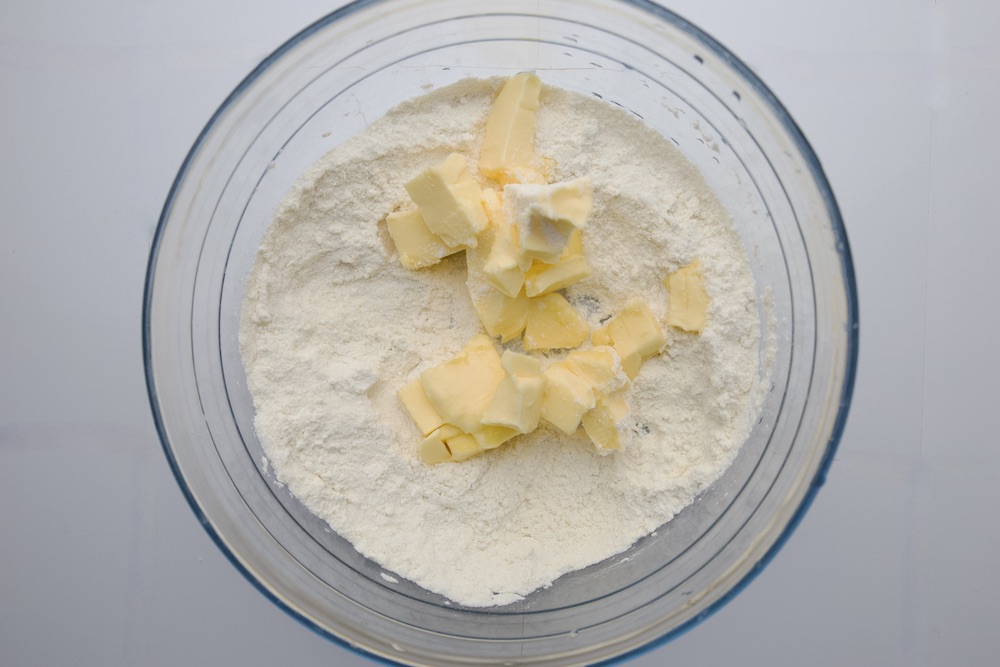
[[329, 82]]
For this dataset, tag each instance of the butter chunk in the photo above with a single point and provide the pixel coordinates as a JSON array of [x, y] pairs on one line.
[[450, 202], [566, 399], [547, 215], [600, 366], [688, 298], [604, 424], [417, 245], [553, 323], [508, 147], [491, 437], [504, 266], [433, 448], [517, 403], [617, 335], [462, 388], [543, 278], [423, 413], [501, 315], [642, 327], [463, 446]]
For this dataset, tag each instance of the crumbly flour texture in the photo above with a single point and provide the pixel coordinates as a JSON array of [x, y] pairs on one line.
[[333, 325]]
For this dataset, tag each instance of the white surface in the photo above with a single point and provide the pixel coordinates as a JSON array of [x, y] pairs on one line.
[[103, 563]]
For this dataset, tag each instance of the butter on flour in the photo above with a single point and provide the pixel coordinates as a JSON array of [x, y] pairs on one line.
[[332, 325]]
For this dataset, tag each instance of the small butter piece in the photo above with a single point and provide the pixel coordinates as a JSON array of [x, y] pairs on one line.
[[491, 437], [688, 298], [433, 448], [553, 323], [547, 215], [450, 202], [417, 245], [603, 424], [543, 278], [566, 399], [419, 406], [626, 348], [509, 142], [600, 366], [463, 446], [462, 388], [501, 315], [642, 327], [517, 403], [504, 266]]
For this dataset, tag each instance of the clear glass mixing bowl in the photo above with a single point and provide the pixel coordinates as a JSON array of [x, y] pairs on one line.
[[325, 85]]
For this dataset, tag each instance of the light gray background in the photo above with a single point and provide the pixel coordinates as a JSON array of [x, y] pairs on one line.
[[103, 563]]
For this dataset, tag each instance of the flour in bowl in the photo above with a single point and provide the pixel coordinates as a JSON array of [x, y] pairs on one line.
[[333, 325]]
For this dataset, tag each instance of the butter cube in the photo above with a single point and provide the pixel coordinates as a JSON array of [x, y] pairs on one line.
[[566, 398], [600, 366], [642, 327], [463, 446], [546, 215], [419, 406], [433, 448], [553, 323], [491, 437], [504, 266], [417, 245], [517, 403], [604, 424], [450, 202], [462, 388], [501, 315], [543, 278], [626, 348], [509, 142], [688, 298]]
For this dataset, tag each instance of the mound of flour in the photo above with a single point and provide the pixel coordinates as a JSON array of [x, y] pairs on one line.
[[333, 325]]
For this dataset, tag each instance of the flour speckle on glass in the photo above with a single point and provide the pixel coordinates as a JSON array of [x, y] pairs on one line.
[[333, 325]]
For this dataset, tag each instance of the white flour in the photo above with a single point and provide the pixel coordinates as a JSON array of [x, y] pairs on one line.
[[333, 325]]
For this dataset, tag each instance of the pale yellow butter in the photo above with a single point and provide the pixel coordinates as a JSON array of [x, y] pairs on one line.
[[501, 315], [604, 424], [600, 366], [543, 278], [504, 266], [433, 449], [547, 215], [450, 202], [688, 298], [491, 437], [419, 407], [508, 148], [462, 388], [417, 245], [463, 446], [642, 327], [567, 397], [553, 323], [517, 403]]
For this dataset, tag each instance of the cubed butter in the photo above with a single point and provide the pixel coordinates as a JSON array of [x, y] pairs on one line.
[[433, 448], [543, 278], [417, 245], [604, 424], [419, 407], [642, 327], [500, 314], [508, 147], [450, 202], [626, 348], [600, 366], [463, 446], [504, 265], [567, 397], [553, 323], [491, 437], [547, 215], [688, 298], [462, 388], [517, 403]]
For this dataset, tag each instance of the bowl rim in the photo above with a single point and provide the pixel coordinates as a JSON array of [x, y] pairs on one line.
[[837, 228]]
